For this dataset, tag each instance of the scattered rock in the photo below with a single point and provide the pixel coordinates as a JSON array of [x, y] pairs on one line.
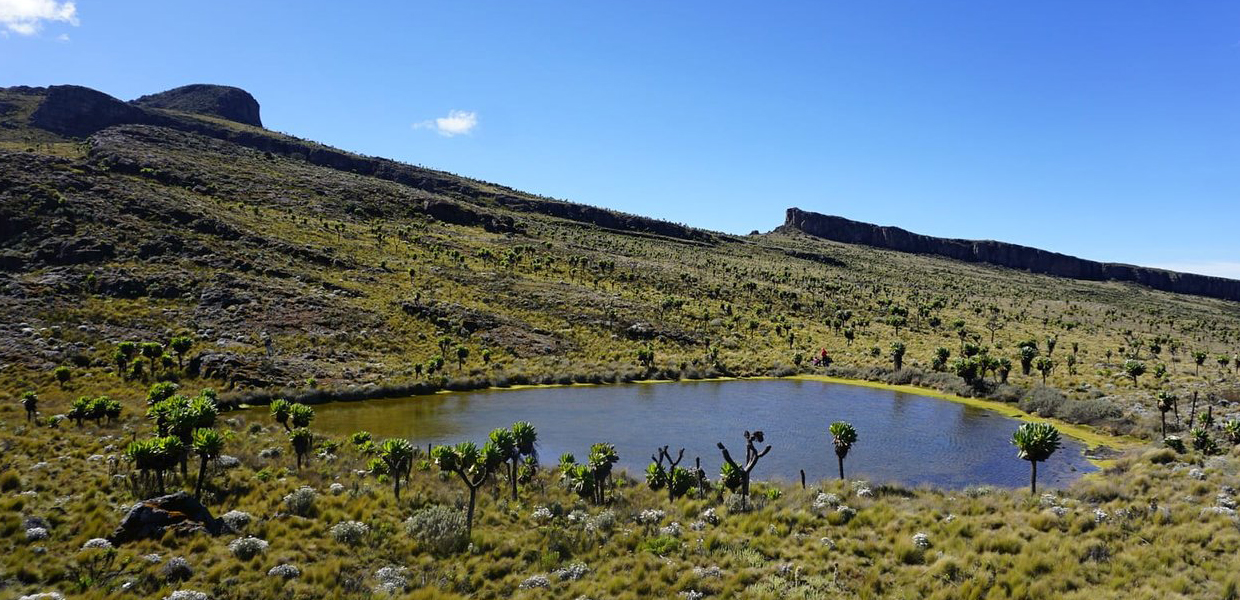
[[149, 519]]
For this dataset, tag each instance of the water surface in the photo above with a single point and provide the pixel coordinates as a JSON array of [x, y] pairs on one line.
[[904, 438]]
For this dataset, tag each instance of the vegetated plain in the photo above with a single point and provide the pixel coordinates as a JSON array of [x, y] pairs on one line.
[[281, 274]]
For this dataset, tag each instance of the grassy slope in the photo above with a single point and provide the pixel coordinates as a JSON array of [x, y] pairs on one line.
[[1154, 541], [341, 325]]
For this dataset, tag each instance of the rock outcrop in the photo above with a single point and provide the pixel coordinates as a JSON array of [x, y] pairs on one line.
[[234, 104], [1002, 254], [76, 111], [150, 519]]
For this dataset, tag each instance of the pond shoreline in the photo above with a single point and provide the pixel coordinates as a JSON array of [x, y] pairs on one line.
[[1092, 438]]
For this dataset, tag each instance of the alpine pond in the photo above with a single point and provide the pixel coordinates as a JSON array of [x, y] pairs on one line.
[[903, 438]]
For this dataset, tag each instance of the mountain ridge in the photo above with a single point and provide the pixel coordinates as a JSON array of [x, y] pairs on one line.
[[1004, 254]]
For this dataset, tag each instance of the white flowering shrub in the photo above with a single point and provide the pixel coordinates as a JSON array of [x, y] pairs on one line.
[[350, 533], [284, 572], [672, 530], [603, 522], [921, 540], [391, 580], [542, 515], [572, 572], [537, 581], [439, 529], [650, 516], [738, 504], [247, 547], [187, 595], [692, 595], [36, 534], [827, 543], [97, 543], [336, 488], [846, 512], [824, 501], [301, 501], [236, 519], [712, 571], [176, 569], [709, 516]]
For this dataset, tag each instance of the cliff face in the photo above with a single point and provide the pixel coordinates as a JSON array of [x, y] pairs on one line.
[[234, 104], [1002, 254]]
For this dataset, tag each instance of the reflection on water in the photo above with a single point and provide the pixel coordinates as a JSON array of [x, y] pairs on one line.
[[904, 438]]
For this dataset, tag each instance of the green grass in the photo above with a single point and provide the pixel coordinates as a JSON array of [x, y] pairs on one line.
[[984, 543]]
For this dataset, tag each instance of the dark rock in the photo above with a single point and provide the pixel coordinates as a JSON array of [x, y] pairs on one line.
[[77, 111], [221, 296], [234, 104], [150, 519], [75, 251], [12, 261], [232, 368], [1003, 254], [602, 217], [119, 284], [451, 212]]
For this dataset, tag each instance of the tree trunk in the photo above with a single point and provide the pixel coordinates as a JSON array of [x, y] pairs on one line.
[[469, 516], [1033, 477], [202, 474], [396, 486], [841, 459], [159, 477], [1164, 424], [745, 484], [513, 476]]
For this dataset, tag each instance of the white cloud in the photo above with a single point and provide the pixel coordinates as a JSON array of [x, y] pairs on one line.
[[1217, 268], [26, 17], [458, 122]]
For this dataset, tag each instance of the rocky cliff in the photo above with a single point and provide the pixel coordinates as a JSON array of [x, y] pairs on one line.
[[1003, 254], [234, 104]]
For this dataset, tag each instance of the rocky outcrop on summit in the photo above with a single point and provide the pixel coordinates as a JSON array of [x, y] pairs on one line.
[[1003, 254], [234, 104], [76, 111]]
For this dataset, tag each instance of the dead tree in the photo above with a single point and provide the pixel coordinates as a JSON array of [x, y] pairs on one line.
[[751, 458]]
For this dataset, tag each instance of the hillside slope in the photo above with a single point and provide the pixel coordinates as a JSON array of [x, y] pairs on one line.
[[295, 267]]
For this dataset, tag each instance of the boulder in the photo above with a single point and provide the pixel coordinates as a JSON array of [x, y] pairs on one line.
[[150, 519]]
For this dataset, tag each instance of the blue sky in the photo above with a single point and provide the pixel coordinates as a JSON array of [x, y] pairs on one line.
[[1109, 130]]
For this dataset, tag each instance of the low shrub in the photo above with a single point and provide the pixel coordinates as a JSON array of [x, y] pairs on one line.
[[1044, 401], [439, 529], [301, 501]]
